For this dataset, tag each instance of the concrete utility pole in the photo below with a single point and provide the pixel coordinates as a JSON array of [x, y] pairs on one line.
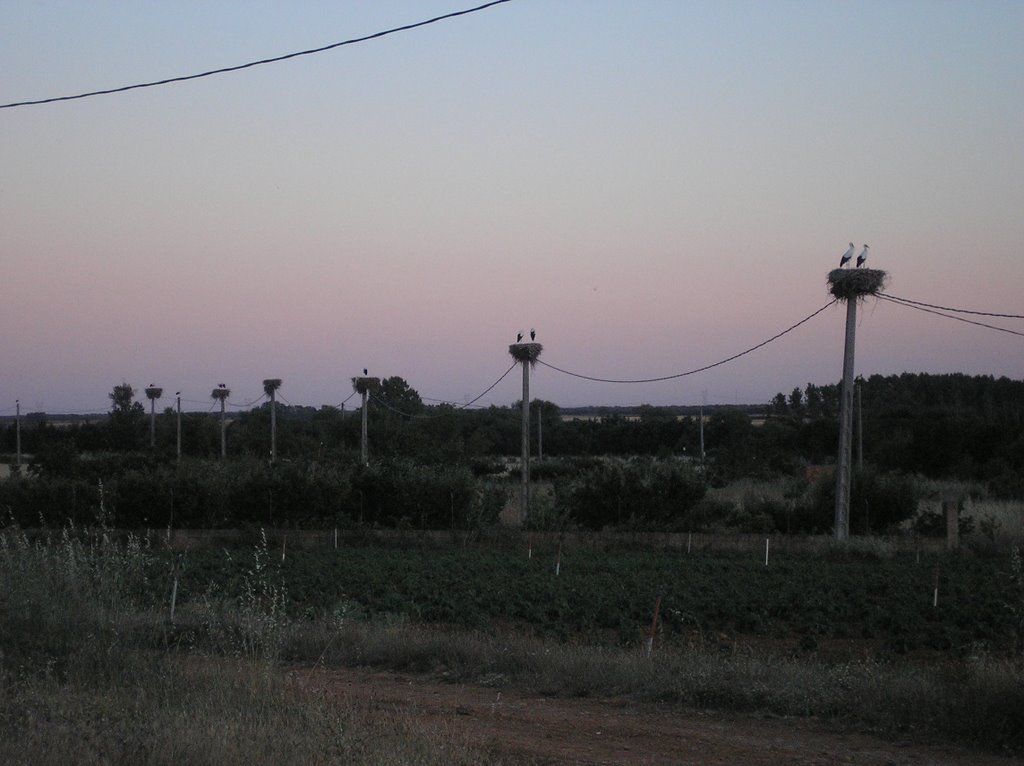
[[17, 431], [221, 393], [850, 285], [527, 355], [364, 386], [177, 396], [703, 404], [153, 393], [270, 386], [860, 426], [540, 431]]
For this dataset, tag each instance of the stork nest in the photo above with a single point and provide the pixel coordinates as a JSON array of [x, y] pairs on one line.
[[270, 385], [526, 352], [154, 392], [366, 385], [220, 393], [847, 284]]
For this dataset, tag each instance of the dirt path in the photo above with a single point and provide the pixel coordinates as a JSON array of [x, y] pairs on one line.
[[615, 731]]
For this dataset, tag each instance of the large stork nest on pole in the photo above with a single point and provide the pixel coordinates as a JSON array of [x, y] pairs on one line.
[[270, 385], [220, 393], [366, 385], [154, 392], [856, 284], [526, 352]]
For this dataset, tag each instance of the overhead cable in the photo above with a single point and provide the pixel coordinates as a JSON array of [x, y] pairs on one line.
[[271, 60], [699, 369], [442, 414], [910, 305], [947, 308]]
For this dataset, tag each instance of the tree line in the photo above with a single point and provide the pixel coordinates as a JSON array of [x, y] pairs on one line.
[[436, 465]]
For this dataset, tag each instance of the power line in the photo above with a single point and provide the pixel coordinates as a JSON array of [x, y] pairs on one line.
[[947, 308], [342, 404], [253, 403], [488, 389], [442, 414], [272, 60], [699, 369], [909, 305]]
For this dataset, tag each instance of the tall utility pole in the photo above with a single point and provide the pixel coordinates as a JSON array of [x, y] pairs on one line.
[[852, 286], [364, 386], [270, 386], [153, 393], [703, 404], [540, 431], [860, 426], [221, 393], [527, 355], [177, 396], [17, 431]]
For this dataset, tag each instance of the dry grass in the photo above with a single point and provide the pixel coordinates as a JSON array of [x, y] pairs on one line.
[[90, 673], [979, 701], [88, 676]]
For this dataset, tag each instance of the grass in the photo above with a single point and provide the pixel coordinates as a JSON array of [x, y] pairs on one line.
[[978, 701], [91, 672]]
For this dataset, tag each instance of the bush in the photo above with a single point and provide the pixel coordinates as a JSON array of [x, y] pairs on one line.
[[649, 494], [879, 502]]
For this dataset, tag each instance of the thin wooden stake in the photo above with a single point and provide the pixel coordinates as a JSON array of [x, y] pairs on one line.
[[689, 539], [558, 561], [766, 540], [174, 597], [335, 538]]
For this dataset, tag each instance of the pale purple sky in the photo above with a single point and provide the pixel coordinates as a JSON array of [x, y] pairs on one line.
[[654, 186]]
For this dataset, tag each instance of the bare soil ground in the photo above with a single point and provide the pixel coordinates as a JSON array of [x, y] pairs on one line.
[[617, 731]]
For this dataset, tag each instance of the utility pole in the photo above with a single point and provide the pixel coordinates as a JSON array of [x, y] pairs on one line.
[[703, 404], [153, 393], [270, 386], [364, 386], [527, 355], [850, 285], [540, 431], [860, 426], [177, 396], [17, 432], [221, 393]]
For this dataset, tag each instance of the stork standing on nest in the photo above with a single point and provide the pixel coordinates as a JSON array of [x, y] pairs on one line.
[[846, 256], [862, 258]]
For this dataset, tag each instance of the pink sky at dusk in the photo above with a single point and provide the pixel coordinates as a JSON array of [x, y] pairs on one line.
[[652, 186]]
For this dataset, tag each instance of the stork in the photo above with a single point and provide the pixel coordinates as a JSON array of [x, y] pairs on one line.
[[846, 256], [519, 338], [862, 257], [533, 334]]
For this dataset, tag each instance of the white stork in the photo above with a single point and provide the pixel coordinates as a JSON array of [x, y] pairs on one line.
[[846, 256], [862, 257]]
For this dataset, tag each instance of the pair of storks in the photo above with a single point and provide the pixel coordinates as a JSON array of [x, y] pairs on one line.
[[849, 254], [533, 336]]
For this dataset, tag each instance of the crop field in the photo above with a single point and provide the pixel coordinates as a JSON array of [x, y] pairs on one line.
[[423, 654], [607, 597]]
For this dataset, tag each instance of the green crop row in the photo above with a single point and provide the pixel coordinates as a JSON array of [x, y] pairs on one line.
[[600, 595]]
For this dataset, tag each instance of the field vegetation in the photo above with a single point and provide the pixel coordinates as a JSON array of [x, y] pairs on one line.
[[95, 667]]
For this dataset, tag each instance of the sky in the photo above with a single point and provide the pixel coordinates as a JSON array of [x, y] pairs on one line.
[[653, 186]]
